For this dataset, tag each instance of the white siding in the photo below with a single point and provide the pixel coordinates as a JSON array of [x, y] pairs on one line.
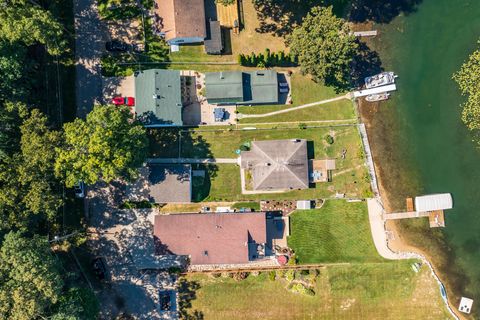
[[433, 202]]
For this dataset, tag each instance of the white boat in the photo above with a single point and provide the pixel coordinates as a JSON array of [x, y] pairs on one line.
[[377, 97], [381, 79]]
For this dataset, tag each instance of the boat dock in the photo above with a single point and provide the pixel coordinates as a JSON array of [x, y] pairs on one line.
[[431, 206], [371, 33], [376, 90]]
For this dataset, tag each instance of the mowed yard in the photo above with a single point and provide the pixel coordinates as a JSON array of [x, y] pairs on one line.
[[304, 90], [358, 291], [337, 232]]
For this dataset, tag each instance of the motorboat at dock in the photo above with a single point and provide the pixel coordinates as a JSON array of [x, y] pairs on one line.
[[381, 79]]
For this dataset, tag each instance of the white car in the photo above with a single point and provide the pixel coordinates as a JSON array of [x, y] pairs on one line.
[[79, 190]]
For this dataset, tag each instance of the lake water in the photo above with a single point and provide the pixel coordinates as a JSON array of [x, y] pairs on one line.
[[427, 148]]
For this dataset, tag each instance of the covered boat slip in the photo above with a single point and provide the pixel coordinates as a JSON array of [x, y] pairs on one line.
[[433, 202]]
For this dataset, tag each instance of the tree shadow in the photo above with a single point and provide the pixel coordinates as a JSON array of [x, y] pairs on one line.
[[187, 293], [380, 11], [366, 63], [280, 17]]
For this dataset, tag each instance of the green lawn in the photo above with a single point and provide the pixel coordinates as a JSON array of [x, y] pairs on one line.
[[337, 232], [196, 53], [366, 291], [304, 91]]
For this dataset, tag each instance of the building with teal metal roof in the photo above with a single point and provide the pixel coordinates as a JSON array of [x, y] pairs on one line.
[[158, 98], [237, 87]]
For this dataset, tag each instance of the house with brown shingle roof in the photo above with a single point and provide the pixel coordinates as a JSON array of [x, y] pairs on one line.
[[212, 238], [182, 21], [277, 164]]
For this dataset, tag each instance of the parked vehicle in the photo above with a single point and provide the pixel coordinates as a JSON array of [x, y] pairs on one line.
[[219, 114], [79, 189], [123, 101], [117, 46], [99, 268]]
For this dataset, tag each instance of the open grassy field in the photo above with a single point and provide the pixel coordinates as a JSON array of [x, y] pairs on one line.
[[359, 291], [304, 91], [337, 232]]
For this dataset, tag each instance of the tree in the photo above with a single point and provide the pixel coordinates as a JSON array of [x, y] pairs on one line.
[[225, 2], [468, 80], [30, 281], [27, 22], [28, 185], [325, 47], [109, 144], [12, 67]]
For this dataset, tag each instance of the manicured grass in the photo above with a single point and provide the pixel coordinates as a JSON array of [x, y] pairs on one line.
[[361, 291], [252, 205], [337, 232], [304, 91]]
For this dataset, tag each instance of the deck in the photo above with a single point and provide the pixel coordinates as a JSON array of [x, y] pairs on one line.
[[410, 206], [436, 219], [227, 15]]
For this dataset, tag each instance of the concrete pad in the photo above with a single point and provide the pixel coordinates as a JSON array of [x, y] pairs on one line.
[[118, 86]]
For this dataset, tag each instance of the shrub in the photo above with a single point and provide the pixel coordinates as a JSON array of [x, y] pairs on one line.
[[280, 273], [302, 126], [329, 139], [267, 59], [290, 275], [300, 288], [292, 261], [272, 275], [215, 275], [238, 276]]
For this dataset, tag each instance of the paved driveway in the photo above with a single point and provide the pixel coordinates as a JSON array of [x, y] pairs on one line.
[[90, 37]]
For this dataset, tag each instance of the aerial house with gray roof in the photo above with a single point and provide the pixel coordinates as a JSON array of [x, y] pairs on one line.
[[277, 164], [240, 87], [158, 97]]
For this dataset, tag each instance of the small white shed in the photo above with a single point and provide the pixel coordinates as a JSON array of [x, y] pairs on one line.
[[432, 202], [304, 204]]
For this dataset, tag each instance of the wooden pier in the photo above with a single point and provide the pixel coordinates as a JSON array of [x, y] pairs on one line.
[[435, 218], [370, 33]]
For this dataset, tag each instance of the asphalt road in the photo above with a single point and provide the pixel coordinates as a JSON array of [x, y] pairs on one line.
[[90, 37]]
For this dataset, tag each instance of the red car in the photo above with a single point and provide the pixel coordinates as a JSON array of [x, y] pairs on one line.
[[120, 101]]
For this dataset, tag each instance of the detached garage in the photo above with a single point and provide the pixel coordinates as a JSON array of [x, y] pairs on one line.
[[433, 202]]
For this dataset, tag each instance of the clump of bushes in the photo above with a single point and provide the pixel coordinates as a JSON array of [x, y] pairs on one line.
[[267, 59], [290, 275], [301, 288], [238, 276], [329, 139], [272, 275]]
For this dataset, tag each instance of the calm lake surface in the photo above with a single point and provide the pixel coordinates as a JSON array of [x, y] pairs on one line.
[[437, 153]]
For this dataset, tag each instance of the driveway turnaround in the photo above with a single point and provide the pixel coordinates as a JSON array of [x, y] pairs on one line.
[[90, 37]]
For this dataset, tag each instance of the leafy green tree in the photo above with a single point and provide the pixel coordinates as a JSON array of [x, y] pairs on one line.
[[25, 21], [468, 79], [28, 185], [109, 144], [225, 2], [325, 47], [12, 68], [30, 281]]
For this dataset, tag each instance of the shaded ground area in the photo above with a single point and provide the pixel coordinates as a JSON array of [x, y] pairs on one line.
[[337, 232], [361, 291]]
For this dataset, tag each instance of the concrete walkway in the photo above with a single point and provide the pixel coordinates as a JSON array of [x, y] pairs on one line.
[[91, 33], [303, 106], [192, 160]]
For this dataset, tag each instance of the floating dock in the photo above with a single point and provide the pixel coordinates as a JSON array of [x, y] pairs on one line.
[[370, 33]]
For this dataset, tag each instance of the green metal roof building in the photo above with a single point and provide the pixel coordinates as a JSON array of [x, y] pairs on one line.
[[237, 87], [158, 98]]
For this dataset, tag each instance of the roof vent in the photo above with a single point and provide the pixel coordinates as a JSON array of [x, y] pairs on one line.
[[205, 253], [259, 73], [221, 75]]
